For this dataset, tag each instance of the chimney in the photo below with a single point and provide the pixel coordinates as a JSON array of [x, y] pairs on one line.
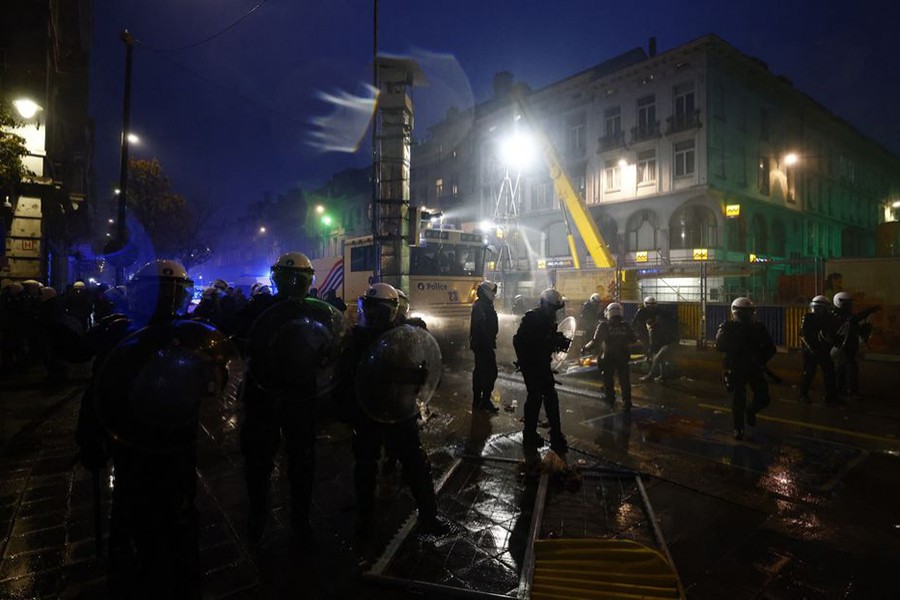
[[652, 47]]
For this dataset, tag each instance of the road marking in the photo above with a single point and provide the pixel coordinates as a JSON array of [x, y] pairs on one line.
[[859, 434]]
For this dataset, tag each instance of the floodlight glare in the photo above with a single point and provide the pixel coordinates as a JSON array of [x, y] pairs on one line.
[[517, 151], [486, 225], [791, 159], [133, 139]]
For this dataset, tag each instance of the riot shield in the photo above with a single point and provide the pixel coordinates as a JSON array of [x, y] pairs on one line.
[[400, 370], [567, 328]]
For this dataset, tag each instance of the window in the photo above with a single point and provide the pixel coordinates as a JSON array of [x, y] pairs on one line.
[[683, 157], [641, 231], [646, 167], [693, 227], [612, 176], [454, 186], [362, 258], [684, 102], [719, 157], [612, 122], [758, 235], [544, 196], [762, 179], [736, 234], [576, 133], [646, 117], [764, 124], [439, 187], [741, 167]]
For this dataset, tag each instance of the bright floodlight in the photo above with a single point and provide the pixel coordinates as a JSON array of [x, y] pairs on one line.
[[326, 220], [895, 204], [791, 159], [133, 139], [262, 229], [27, 108], [517, 151], [623, 163], [486, 225], [320, 209]]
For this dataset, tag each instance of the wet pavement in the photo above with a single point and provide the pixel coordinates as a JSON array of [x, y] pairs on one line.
[[805, 507]]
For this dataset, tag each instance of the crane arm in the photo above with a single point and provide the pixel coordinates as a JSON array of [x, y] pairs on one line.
[[581, 216]]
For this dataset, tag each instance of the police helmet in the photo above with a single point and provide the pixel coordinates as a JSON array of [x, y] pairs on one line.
[[819, 304], [292, 275], [78, 285], [742, 309], [595, 298], [487, 289], [551, 298], [614, 309], [159, 287], [378, 306], [650, 302], [842, 300]]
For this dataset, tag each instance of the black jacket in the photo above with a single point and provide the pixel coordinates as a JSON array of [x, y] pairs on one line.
[[483, 326], [747, 345]]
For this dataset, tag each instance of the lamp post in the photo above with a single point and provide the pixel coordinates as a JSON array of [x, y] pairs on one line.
[[326, 225], [121, 232]]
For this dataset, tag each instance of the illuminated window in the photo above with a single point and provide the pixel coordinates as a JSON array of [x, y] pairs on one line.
[[646, 167], [683, 157], [439, 187], [612, 176]]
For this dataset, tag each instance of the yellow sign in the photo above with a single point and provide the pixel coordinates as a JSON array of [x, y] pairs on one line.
[[491, 265], [701, 254], [752, 258], [640, 256], [733, 210], [542, 263]]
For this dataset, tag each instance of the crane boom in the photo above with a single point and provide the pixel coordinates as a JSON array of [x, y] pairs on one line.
[[581, 216]]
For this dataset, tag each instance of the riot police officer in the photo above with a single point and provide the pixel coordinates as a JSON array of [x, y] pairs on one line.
[[851, 330], [647, 311], [483, 329], [377, 315], [591, 313], [817, 332], [535, 341], [273, 408], [613, 338], [142, 410], [748, 347]]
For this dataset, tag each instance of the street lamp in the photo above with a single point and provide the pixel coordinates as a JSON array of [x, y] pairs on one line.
[[27, 107], [326, 224]]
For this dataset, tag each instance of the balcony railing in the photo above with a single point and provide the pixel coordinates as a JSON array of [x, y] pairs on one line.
[[612, 141], [645, 131], [683, 122]]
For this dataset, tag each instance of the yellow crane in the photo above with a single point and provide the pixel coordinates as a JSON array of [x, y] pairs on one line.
[[569, 196]]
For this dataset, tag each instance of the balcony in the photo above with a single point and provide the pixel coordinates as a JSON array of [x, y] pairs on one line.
[[611, 141], [645, 131], [683, 122]]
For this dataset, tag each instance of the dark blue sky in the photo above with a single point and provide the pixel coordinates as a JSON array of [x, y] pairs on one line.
[[231, 118]]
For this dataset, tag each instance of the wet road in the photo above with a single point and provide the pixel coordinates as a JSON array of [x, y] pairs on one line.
[[805, 507]]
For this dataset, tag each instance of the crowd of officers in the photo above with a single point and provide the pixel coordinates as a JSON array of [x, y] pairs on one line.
[[154, 364]]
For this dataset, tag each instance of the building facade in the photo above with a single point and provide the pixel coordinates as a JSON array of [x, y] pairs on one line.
[[44, 57], [696, 153]]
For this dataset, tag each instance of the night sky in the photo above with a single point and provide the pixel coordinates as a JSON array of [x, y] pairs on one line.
[[230, 114]]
